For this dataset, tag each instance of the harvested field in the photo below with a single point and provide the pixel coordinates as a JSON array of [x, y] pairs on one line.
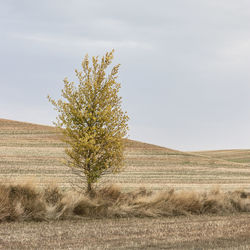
[[195, 232], [30, 151], [34, 152], [235, 155]]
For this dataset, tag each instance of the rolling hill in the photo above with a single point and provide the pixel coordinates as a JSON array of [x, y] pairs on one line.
[[31, 151], [234, 155]]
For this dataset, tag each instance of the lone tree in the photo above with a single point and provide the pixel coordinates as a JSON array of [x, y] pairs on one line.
[[91, 119]]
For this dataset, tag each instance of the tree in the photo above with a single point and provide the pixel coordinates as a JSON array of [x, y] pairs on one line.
[[91, 119]]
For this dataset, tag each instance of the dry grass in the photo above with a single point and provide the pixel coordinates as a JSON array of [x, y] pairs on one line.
[[27, 203]]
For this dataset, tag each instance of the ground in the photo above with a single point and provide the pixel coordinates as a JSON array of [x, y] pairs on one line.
[[29, 151], [195, 232]]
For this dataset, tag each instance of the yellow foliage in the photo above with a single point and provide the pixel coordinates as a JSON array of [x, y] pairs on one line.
[[92, 120]]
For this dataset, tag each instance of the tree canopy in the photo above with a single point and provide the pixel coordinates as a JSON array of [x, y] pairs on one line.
[[91, 119]]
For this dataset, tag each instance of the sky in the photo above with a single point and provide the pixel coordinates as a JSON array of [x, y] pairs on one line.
[[184, 72]]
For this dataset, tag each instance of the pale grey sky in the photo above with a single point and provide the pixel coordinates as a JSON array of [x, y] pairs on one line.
[[184, 64]]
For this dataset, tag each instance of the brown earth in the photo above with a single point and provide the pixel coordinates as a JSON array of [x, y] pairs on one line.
[[196, 232]]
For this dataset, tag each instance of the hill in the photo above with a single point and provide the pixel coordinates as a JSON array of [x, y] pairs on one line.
[[31, 151], [234, 155]]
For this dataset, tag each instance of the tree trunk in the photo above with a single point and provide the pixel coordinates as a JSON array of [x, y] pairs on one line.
[[89, 187]]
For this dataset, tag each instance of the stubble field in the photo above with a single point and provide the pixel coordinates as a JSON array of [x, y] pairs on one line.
[[197, 232], [34, 152]]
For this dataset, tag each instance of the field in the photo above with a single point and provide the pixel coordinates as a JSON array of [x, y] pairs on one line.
[[35, 152], [29, 151], [236, 155], [198, 232]]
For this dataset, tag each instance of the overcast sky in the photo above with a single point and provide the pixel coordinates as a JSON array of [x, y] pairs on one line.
[[184, 64]]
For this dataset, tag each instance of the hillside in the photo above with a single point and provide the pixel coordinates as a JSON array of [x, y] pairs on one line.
[[235, 155], [30, 151]]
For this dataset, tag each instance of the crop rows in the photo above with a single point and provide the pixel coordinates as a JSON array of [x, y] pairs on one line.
[[35, 152]]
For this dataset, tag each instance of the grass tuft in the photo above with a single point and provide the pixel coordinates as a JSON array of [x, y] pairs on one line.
[[26, 202]]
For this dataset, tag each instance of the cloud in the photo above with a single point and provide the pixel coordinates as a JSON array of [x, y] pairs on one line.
[[65, 41], [236, 53]]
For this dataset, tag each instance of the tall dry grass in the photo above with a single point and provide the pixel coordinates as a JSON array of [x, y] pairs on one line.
[[26, 202]]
